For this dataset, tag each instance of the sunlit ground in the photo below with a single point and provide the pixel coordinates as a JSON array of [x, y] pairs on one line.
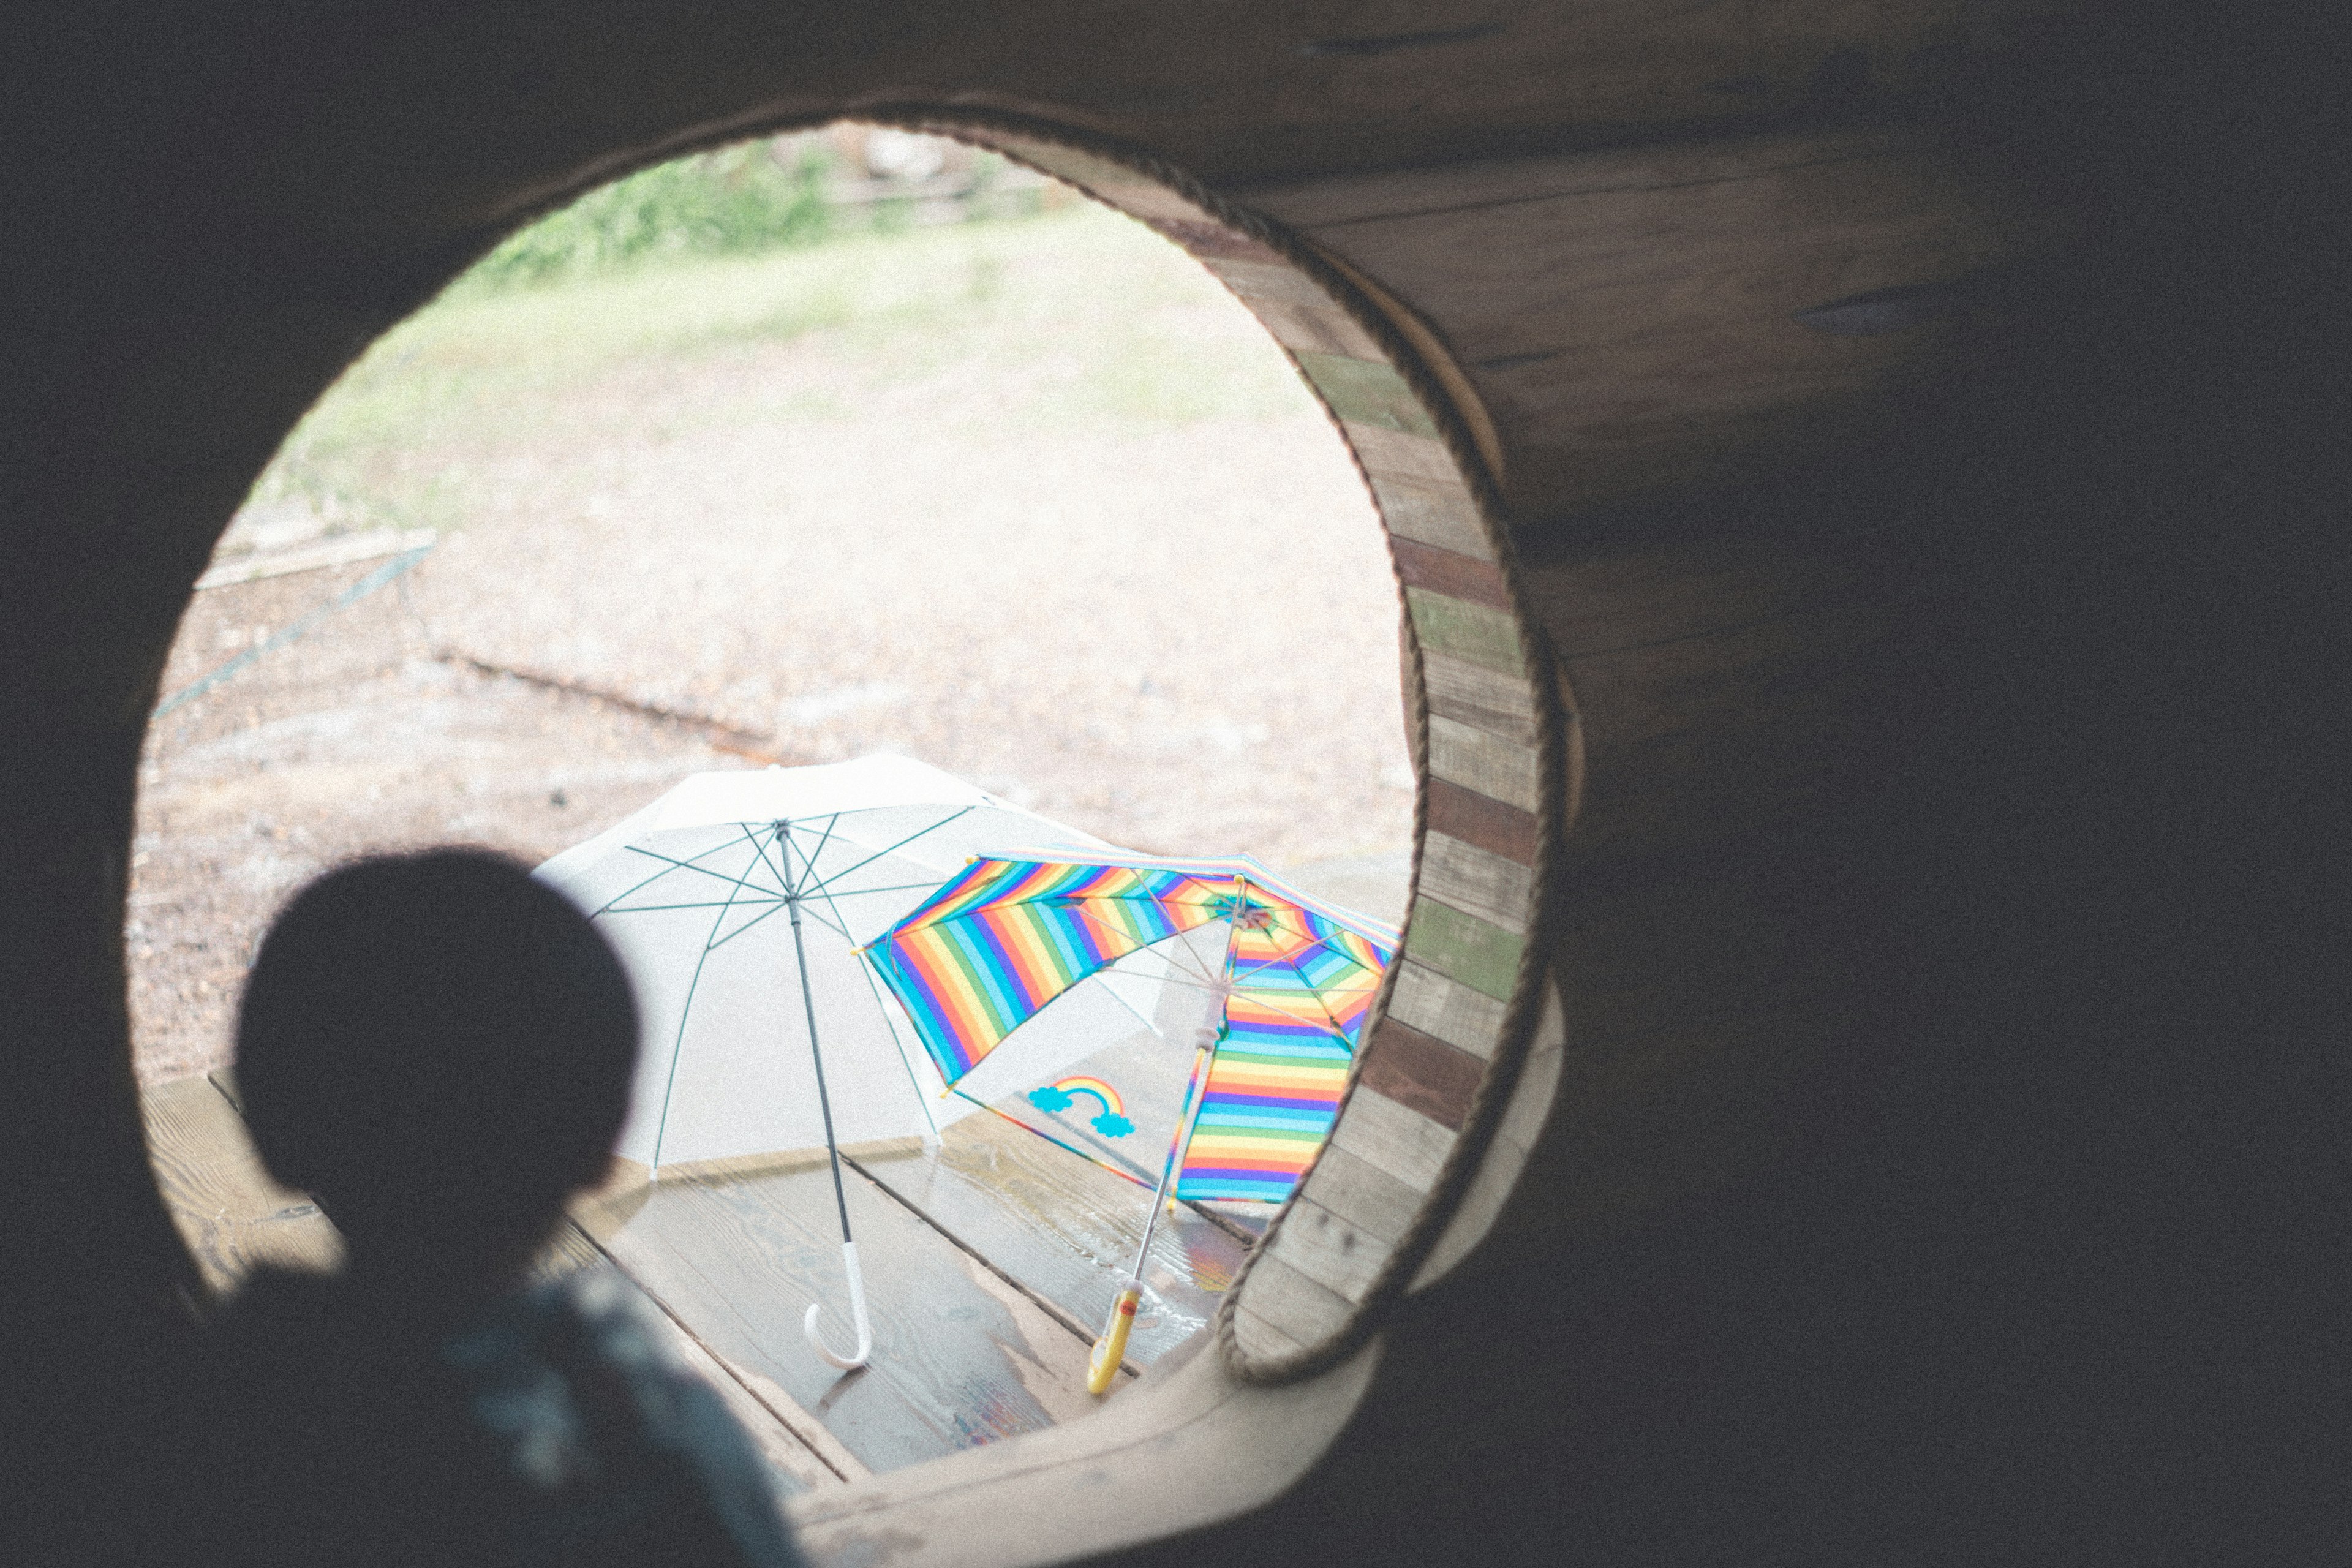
[[1034, 501]]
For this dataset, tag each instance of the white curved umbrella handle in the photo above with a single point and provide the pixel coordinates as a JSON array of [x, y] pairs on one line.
[[858, 1315]]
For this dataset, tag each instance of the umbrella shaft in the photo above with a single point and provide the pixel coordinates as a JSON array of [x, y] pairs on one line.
[[824, 1100]]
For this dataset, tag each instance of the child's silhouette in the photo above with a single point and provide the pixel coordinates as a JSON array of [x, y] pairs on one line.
[[439, 1050]]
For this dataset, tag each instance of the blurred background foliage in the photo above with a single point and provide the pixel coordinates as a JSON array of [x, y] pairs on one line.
[[784, 191]]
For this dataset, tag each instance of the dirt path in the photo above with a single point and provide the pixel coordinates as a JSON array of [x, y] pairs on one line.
[[1175, 632]]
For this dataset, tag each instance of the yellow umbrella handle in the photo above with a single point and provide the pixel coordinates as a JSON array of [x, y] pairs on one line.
[[1111, 1349]]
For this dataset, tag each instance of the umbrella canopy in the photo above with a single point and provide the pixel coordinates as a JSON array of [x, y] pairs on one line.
[[698, 892], [1284, 981]]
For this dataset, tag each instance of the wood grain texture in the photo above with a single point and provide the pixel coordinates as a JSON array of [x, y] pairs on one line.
[[960, 1357], [1437, 1004], [1494, 826], [1301, 1311], [1629, 319], [1393, 1138], [1463, 876], [1467, 629], [1065, 1230], [228, 1210], [1421, 1072], [1450, 572], [1484, 765], [1485, 698], [1479, 953], [1436, 513], [1328, 1250], [1362, 1193]]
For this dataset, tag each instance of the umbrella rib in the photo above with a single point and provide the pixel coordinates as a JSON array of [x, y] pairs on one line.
[[677, 1050], [1287, 958], [670, 863], [894, 848], [662, 908], [865, 968], [809, 858], [783, 875]]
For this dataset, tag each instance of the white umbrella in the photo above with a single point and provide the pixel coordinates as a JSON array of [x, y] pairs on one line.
[[738, 902]]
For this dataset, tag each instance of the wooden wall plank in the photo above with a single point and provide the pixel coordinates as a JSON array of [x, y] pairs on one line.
[[1362, 1193], [1421, 1071], [1395, 1137], [1497, 827], [1438, 513], [1446, 571], [1366, 392], [1481, 955], [1300, 1311], [1629, 319], [1485, 698], [1483, 763], [1441, 1006], [1465, 877], [1467, 630], [1328, 1250]]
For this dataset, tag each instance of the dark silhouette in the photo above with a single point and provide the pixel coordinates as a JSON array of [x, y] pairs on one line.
[[439, 1050]]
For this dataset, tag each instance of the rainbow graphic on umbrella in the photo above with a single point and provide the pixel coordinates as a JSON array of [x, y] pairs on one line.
[[1007, 935], [1111, 1119]]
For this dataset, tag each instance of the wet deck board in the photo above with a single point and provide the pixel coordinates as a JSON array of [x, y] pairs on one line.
[[229, 1212], [961, 1357], [1065, 1230]]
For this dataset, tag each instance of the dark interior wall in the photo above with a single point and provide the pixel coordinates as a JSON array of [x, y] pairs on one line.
[[1994, 902], [1950, 1167]]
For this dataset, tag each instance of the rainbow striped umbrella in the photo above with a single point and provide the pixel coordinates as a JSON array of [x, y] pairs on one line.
[[1288, 994]]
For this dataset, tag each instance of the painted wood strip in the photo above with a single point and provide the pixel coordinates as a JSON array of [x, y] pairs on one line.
[[1398, 455], [1328, 1250], [961, 1356], [225, 1207], [1475, 632], [1487, 764], [1421, 1072], [1276, 282], [1477, 952], [1368, 392], [1481, 698], [1260, 1338], [1396, 1138], [1108, 182], [1441, 515], [1506, 1157], [1481, 819], [1362, 1193], [1209, 241], [1446, 571], [1444, 1008], [1313, 329], [1065, 1230], [1466, 877], [1295, 1306]]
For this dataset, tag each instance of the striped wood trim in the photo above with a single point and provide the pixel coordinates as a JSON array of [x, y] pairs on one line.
[[1443, 1050]]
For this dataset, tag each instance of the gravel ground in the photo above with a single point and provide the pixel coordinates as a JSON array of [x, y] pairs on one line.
[[1173, 626]]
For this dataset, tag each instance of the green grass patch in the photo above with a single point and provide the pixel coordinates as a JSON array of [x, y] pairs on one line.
[[1064, 320]]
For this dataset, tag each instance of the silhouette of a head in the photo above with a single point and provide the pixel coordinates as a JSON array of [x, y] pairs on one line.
[[439, 1049]]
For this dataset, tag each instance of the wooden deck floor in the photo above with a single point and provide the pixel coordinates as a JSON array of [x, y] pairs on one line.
[[989, 1262]]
